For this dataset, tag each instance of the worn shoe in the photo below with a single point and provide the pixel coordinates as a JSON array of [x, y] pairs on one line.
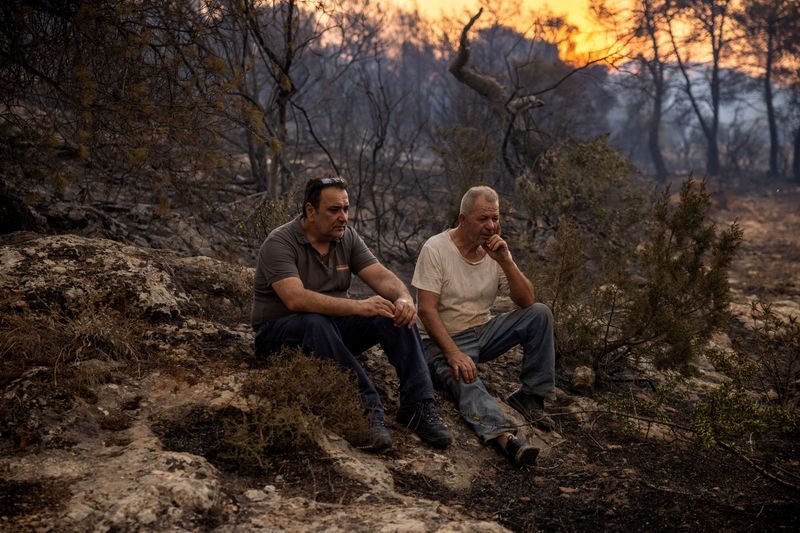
[[532, 408], [521, 453], [423, 419], [376, 438]]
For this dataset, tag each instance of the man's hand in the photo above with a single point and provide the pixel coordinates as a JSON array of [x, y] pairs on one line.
[[462, 366], [405, 314], [377, 306], [497, 248]]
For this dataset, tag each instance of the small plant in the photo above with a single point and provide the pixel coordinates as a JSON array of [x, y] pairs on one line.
[[732, 413], [290, 402], [55, 357], [776, 348]]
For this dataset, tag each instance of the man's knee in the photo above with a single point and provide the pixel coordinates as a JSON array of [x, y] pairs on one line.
[[314, 322], [540, 311], [539, 317]]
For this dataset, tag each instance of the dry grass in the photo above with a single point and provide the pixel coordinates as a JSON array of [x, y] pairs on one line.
[[64, 342], [291, 401]]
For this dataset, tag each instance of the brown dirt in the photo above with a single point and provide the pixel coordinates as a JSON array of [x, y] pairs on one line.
[[605, 477], [305, 473]]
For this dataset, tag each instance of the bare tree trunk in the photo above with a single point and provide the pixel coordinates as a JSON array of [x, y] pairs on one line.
[[712, 164], [654, 137], [796, 161], [774, 147], [712, 22], [257, 155], [656, 67], [256, 150]]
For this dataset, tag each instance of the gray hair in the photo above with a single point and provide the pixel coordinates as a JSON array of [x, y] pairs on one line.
[[468, 201]]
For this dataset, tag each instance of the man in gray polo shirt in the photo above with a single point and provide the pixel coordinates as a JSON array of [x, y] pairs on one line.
[[300, 299]]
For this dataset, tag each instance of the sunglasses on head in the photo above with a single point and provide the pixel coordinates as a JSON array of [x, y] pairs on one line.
[[324, 182]]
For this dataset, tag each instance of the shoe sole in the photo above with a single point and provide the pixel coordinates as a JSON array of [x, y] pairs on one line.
[[527, 457], [439, 443]]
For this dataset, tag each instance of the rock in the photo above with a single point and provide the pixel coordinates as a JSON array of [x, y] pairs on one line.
[[92, 432], [583, 380]]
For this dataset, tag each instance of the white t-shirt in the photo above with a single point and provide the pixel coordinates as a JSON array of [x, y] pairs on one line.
[[466, 290]]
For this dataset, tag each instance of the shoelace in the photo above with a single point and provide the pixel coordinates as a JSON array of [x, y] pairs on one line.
[[428, 413]]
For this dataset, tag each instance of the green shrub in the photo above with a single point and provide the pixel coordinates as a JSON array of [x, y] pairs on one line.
[[776, 348], [731, 413], [654, 299]]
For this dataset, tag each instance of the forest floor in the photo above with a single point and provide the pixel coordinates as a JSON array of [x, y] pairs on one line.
[[594, 472], [602, 473]]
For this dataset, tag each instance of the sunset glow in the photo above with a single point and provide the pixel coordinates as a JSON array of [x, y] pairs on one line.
[[591, 39]]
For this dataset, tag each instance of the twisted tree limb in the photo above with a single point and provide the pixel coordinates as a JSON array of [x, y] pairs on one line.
[[505, 104]]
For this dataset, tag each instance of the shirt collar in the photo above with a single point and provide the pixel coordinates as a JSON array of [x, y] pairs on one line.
[[300, 236]]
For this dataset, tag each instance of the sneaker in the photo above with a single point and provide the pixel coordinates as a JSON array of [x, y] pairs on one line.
[[424, 420], [376, 438], [521, 453], [532, 408]]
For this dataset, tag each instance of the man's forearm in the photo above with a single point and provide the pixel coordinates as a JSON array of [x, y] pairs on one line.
[[385, 283], [519, 287], [392, 289], [314, 302], [434, 327]]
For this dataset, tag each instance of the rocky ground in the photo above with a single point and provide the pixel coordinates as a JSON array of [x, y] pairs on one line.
[[126, 435]]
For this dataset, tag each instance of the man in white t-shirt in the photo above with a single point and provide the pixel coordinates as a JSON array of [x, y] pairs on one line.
[[458, 275]]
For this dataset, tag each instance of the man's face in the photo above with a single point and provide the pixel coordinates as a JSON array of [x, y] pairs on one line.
[[482, 221], [330, 221]]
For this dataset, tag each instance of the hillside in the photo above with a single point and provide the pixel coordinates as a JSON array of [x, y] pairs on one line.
[[124, 372]]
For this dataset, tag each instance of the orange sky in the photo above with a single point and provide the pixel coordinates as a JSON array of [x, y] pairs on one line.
[[591, 39]]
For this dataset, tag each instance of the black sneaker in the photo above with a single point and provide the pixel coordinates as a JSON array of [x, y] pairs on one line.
[[424, 420], [376, 438], [532, 408], [521, 453]]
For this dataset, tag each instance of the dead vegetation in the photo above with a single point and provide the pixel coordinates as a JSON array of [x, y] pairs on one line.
[[611, 462], [290, 402]]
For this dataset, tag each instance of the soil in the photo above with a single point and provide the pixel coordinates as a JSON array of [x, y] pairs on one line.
[[606, 477], [603, 475], [300, 472]]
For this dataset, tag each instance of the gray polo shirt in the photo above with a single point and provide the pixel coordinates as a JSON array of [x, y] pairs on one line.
[[287, 253]]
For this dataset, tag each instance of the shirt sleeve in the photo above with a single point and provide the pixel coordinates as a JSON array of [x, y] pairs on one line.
[[428, 272], [360, 255], [279, 259]]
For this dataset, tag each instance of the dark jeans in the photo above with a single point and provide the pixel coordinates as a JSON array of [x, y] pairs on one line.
[[338, 338]]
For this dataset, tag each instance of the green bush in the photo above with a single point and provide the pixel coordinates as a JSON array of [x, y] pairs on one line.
[[776, 348], [654, 297], [732, 413]]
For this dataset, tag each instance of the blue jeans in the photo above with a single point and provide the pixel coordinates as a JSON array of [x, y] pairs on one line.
[[531, 327], [338, 338]]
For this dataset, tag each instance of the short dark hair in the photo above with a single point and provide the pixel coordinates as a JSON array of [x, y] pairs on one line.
[[314, 188]]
